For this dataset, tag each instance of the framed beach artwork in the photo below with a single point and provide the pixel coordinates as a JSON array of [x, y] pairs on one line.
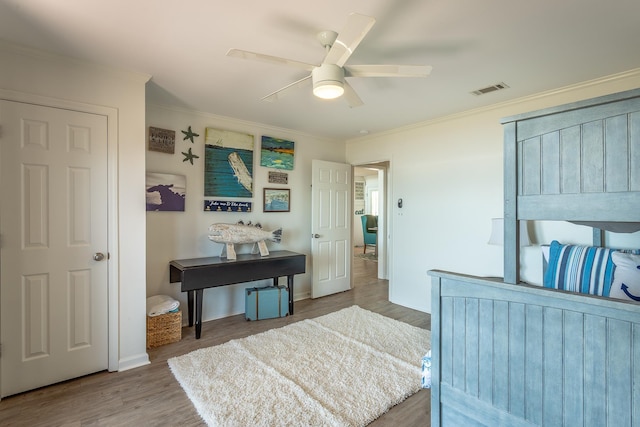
[[228, 163], [165, 192], [276, 153], [277, 199]]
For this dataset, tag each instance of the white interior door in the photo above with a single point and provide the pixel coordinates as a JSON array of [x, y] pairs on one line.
[[330, 228], [53, 225]]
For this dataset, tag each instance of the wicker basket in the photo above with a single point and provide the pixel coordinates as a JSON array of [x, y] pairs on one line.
[[164, 329]]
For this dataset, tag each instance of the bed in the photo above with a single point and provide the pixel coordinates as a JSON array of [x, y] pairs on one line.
[[509, 354]]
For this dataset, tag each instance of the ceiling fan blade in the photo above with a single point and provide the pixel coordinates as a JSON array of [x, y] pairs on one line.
[[349, 38], [245, 54], [351, 96], [280, 93], [387, 70]]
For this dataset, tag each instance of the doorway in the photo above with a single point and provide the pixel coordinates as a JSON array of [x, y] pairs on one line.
[[370, 198]]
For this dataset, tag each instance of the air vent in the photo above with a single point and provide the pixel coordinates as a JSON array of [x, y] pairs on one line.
[[489, 89]]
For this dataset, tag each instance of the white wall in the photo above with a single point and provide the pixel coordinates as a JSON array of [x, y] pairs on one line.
[[449, 174], [49, 79], [179, 235]]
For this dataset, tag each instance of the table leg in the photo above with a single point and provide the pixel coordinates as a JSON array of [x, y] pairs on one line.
[[190, 306], [198, 312], [290, 288]]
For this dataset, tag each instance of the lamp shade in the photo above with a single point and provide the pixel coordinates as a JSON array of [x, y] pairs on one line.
[[328, 81], [497, 233]]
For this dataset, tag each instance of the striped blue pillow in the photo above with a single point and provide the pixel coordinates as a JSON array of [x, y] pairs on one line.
[[584, 269]]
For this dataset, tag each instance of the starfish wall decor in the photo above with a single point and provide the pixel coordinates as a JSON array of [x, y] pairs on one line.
[[189, 134], [189, 156]]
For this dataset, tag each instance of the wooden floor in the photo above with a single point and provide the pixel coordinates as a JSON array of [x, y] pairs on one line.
[[150, 396]]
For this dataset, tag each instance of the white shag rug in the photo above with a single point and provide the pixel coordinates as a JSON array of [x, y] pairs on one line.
[[343, 369]]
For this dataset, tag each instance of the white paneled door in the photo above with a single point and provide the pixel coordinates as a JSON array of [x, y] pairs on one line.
[[53, 259], [330, 228]]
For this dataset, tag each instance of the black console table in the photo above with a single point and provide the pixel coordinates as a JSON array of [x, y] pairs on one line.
[[197, 274]]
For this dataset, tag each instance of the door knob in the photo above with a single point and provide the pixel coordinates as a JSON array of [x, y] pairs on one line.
[[316, 236], [98, 256]]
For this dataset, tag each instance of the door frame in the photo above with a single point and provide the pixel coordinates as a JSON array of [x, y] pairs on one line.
[[383, 247], [112, 205]]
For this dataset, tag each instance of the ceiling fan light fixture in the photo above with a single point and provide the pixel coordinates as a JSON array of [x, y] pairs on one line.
[[328, 78], [327, 90], [328, 81]]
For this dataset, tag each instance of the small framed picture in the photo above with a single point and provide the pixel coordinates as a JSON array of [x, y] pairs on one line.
[[277, 199], [162, 140], [278, 178]]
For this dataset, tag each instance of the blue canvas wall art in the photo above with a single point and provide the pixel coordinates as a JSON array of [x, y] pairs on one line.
[[228, 159], [276, 153]]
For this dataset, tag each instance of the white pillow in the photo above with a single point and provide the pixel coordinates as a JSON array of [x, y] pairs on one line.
[[545, 251], [626, 277]]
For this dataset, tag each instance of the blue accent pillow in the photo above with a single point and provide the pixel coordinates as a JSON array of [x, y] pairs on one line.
[[584, 269]]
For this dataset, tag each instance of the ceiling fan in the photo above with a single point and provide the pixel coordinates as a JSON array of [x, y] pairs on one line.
[[328, 78]]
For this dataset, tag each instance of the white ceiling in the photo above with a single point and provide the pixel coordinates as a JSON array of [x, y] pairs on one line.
[[532, 46]]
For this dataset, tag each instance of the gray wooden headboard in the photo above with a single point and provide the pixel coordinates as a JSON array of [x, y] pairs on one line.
[[578, 162]]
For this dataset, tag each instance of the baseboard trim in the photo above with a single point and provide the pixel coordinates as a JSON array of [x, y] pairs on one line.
[[133, 362]]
